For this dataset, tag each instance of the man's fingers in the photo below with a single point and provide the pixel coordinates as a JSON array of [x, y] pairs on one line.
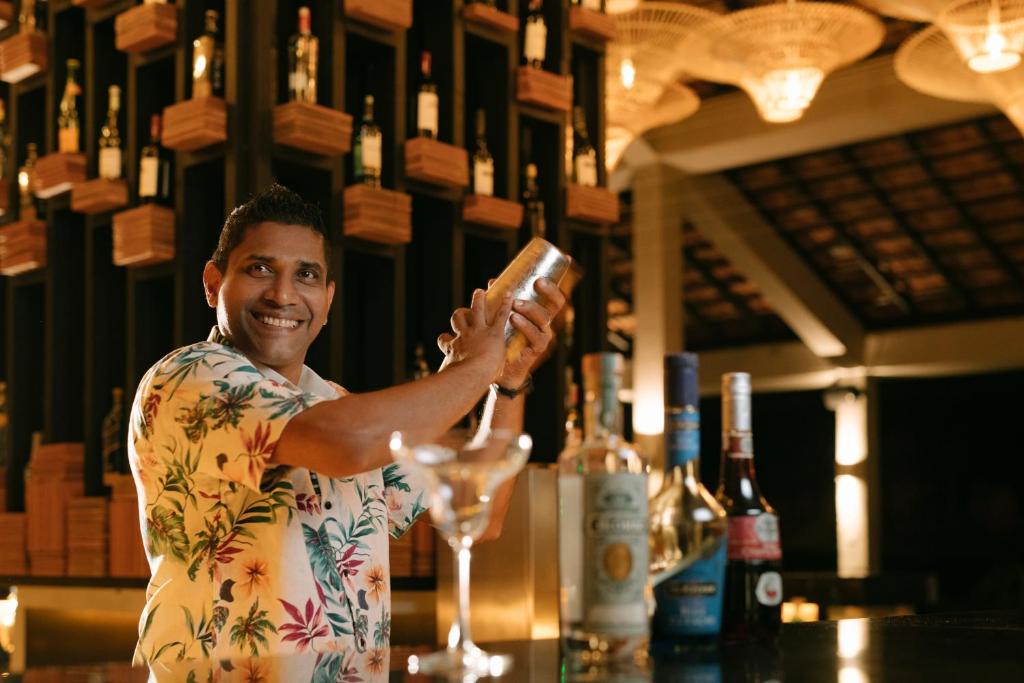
[[553, 299], [503, 312], [478, 308], [536, 313], [460, 319], [444, 341], [536, 337]]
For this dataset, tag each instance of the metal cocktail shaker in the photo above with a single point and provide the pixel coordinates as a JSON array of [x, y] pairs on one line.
[[539, 258]]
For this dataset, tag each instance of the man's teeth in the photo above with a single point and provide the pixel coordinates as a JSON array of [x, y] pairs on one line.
[[277, 322]]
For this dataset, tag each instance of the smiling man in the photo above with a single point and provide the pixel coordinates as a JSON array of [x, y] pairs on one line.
[[266, 493]]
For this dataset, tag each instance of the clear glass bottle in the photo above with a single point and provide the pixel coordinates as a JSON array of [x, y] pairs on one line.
[[584, 156], [208, 60], [112, 434], [303, 53], [688, 526], [367, 152], [154, 168], [753, 582], [534, 205], [535, 36], [603, 526], [110, 138], [426, 99], [483, 162], [27, 183], [67, 121]]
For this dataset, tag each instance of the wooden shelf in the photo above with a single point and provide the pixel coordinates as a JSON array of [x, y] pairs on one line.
[[312, 128], [22, 56], [99, 195], [195, 124], [146, 27], [593, 204], [491, 17], [594, 25], [544, 89], [492, 212], [378, 215], [22, 247], [391, 15], [143, 236], [56, 173], [435, 162]]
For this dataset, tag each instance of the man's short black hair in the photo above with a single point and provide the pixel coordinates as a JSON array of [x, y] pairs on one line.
[[276, 204]]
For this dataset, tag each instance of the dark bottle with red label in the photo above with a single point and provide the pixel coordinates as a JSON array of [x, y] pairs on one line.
[[753, 582]]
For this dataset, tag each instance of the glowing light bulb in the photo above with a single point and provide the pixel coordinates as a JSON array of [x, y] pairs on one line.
[[994, 55], [627, 71]]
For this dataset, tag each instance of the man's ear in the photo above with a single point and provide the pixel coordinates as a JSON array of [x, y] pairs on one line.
[[330, 297], [211, 283]]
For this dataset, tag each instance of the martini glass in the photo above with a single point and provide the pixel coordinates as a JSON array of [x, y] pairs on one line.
[[463, 470]]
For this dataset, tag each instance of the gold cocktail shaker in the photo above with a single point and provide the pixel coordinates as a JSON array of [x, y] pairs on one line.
[[539, 258]]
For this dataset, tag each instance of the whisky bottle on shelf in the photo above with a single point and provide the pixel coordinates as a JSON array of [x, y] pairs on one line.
[[27, 184], [208, 60], [154, 168], [603, 545], [753, 584], [112, 435], [688, 526], [67, 121], [533, 204], [483, 162], [367, 152], [426, 100], [110, 138], [303, 52], [584, 156], [27, 17], [535, 38]]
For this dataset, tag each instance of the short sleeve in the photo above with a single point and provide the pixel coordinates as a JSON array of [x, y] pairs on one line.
[[216, 414], [406, 497]]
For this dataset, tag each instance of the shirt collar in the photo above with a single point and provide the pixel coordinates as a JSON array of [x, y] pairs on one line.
[[309, 381]]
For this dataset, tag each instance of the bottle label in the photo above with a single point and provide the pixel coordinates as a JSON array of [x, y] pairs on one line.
[[754, 537], [110, 162], [570, 547], [615, 554], [682, 436], [483, 177], [740, 446], [426, 112], [536, 43], [690, 602], [371, 153], [298, 81], [769, 589], [67, 139], [149, 168], [586, 170]]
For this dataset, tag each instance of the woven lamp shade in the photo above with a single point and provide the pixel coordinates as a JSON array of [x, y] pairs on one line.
[[912, 10], [650, 37], [988, 34], [780, 54], [620, 6], [629, 113]]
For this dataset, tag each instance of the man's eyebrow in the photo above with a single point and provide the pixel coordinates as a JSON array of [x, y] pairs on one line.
[[311, 265], [260, 257]]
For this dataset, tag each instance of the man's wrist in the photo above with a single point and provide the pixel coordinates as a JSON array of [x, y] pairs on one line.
[[511, 389]]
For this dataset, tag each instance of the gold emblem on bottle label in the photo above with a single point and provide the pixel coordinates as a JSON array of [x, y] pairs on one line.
[[618, 561]]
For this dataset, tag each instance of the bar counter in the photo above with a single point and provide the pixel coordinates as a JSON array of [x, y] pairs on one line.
[[964, 647]]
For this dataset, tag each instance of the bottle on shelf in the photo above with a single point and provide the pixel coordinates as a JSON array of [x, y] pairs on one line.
[[67, 121], [426, 99], [154, 168], [110, 154], [533, 203], [208, 60], [753, 584], [366, 151], [483, 162], [584, 156], [27, 183], [303, 52], [420, 367], [688, 526], [535, 38], [603, 545], [27, 17], [112, 436]]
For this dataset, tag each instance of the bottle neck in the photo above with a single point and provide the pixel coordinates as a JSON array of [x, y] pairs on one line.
[[738, 477], [682, 441], [602, 413]]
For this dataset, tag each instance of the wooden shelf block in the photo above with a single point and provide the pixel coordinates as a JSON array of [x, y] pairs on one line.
[[6, 13], [99, 195], [23, 55], [146, 27], [596, 25], [313, 128], [143, 235], [485, 15], [436, 162], [56, 173], [22, 247], [392, 15], [543, 88], [492, 212], [196, 123], [378, 215], [592, 204]]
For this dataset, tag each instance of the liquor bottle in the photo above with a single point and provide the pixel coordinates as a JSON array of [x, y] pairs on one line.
[[110, 138], [111, 436], [603, 546], [154, 168], [533, 203], [27, 17], [573, 434], [535, 40], [584, 156], [688, 526], [27, 184], [67, 121], [366, 152], [420, 367], [483, 162], [753, 585], [208, 60], [303, 52], [426, 100]]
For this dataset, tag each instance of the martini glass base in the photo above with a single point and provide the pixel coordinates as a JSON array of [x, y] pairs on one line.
[[468, 659]]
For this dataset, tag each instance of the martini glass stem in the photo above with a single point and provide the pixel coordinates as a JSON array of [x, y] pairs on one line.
[[459, 638]]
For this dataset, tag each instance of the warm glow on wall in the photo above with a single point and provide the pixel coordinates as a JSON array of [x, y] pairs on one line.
[[8, 615], [851, 429], [852, 526]]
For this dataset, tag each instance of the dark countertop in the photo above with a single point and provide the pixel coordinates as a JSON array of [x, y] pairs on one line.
[[962, 648]]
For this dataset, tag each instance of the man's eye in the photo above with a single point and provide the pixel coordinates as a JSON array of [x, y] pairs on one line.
[[308, 274], [259, 268]]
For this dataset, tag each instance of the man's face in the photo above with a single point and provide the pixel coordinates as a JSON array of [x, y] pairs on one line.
[[274, 296]]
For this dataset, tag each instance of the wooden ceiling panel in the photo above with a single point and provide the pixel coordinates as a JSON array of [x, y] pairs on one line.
[[800, 218], [902, 175], [971, 163], [984, 186], [883, 152], [950, 139], [839, 186], [955, 239], [917, 198], [1007, 233], [783, 197], [946, 218], [997, 211], [821, 165]]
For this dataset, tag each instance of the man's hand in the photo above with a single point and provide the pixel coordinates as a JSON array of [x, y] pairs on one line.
[[479, 335], [533, 321]]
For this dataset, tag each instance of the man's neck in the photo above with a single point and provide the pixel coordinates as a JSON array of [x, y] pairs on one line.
[[293, 373]]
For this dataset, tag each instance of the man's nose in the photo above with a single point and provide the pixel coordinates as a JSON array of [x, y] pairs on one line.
[[280, 291]]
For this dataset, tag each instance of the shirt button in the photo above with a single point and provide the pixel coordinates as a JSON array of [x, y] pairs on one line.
[[328, 505]]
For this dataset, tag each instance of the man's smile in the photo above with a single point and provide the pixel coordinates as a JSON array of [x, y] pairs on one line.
[[277, 321]]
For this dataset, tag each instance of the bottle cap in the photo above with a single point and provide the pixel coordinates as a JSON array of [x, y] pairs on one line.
[[736, 390], [531, 170], [114, 93], [681, 386]]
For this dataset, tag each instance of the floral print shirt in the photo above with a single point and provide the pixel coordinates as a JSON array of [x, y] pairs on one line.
[[249, 559]]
